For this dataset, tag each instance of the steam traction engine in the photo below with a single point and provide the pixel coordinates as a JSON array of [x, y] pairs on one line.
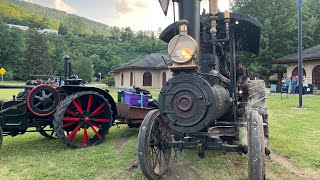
[[78, 115], [210, 103]]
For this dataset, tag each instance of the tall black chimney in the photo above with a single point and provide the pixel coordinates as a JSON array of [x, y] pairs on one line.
[[66, 63], [190, 11]]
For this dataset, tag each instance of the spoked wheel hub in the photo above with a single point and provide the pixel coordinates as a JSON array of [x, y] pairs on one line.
[[43, 100], [47, 131], [154, 155], [83, 119]]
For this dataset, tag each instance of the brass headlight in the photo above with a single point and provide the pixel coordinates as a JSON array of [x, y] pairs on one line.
[[182, 48]]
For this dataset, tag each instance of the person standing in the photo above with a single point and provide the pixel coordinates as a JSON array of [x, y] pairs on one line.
[[287, 83], [305, 85], [293, 85]]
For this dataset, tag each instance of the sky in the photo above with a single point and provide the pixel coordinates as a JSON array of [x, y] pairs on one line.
[[137, 14]]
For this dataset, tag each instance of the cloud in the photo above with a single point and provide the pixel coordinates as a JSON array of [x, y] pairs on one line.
[[59, 4], [56, 4], [146, 14], [128, 6]]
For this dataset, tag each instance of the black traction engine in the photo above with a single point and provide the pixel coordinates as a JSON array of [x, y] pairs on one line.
[[210, 102]]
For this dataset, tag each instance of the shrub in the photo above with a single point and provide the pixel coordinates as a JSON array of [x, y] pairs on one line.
[[109, 81]]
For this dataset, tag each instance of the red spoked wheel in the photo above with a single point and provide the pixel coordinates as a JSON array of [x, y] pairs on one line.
[[83, 119]]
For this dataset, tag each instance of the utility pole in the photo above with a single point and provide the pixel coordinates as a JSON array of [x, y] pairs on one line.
[[300, 51]]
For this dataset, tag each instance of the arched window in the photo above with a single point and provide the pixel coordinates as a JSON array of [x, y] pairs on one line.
[[316, 77], [295, 72], [147, 79], [131, 79], [164, 78], [121, 79]]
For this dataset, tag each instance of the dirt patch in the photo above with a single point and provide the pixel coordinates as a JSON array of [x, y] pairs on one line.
[[290, 166], [121, 141], [237, 165], [271, 175], [134, 165], [124, 137], [180, 171]]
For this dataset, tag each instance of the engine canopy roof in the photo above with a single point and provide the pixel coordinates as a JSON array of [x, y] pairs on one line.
[[248, 30]]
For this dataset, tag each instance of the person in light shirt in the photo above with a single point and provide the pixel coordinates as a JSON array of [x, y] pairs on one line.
[[305, 85]]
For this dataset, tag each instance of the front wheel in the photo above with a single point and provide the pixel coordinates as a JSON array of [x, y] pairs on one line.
[[256, 146], [154, 155]]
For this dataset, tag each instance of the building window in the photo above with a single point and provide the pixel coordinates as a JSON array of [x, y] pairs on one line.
[[121, 79], [164, 78], [295, 72], [147, 79], [316, 77], [131, 79]]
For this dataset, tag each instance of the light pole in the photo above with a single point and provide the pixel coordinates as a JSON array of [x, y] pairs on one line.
[[300, 51], [100, 77]]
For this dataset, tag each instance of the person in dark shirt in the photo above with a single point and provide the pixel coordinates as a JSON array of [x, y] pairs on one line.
[[293, 86]]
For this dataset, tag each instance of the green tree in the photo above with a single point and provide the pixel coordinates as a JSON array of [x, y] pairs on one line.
[[279, 32], [57, 49], [12, 48], [63, 30], [37, 58], [127, 34], [99, 65], [83, 67]]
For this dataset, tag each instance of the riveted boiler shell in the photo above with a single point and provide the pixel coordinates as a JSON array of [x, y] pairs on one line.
[[189, 104]]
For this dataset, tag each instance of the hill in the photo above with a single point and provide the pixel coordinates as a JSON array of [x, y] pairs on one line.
[[30, 14]]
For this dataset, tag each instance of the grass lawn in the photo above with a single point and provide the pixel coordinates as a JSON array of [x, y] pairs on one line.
[[12, 83], [293, 134]]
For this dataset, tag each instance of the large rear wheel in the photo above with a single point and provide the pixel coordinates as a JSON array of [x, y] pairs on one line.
[[154, 155], [83, 119], [256, 147]]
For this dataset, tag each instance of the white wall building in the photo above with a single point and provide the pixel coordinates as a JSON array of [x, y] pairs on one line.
[[150, 72]]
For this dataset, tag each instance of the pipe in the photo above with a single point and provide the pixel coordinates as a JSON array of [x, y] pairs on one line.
[[213, 7], [16, 86], [190, 11]]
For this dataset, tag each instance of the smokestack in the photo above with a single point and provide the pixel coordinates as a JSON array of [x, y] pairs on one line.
[[213, 7], [66, 59], [190, 11]]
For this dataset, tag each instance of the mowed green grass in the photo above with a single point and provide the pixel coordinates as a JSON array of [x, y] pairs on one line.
[[293, 133]]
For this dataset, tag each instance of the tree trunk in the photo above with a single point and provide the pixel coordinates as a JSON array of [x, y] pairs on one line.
[[279, 84]]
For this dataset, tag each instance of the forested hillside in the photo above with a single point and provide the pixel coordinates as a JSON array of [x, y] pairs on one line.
[[85, 41], [29, 14], [15, 14]]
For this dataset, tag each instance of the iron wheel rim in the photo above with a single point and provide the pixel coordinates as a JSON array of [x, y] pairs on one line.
[[85, 114], [154, 155]]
